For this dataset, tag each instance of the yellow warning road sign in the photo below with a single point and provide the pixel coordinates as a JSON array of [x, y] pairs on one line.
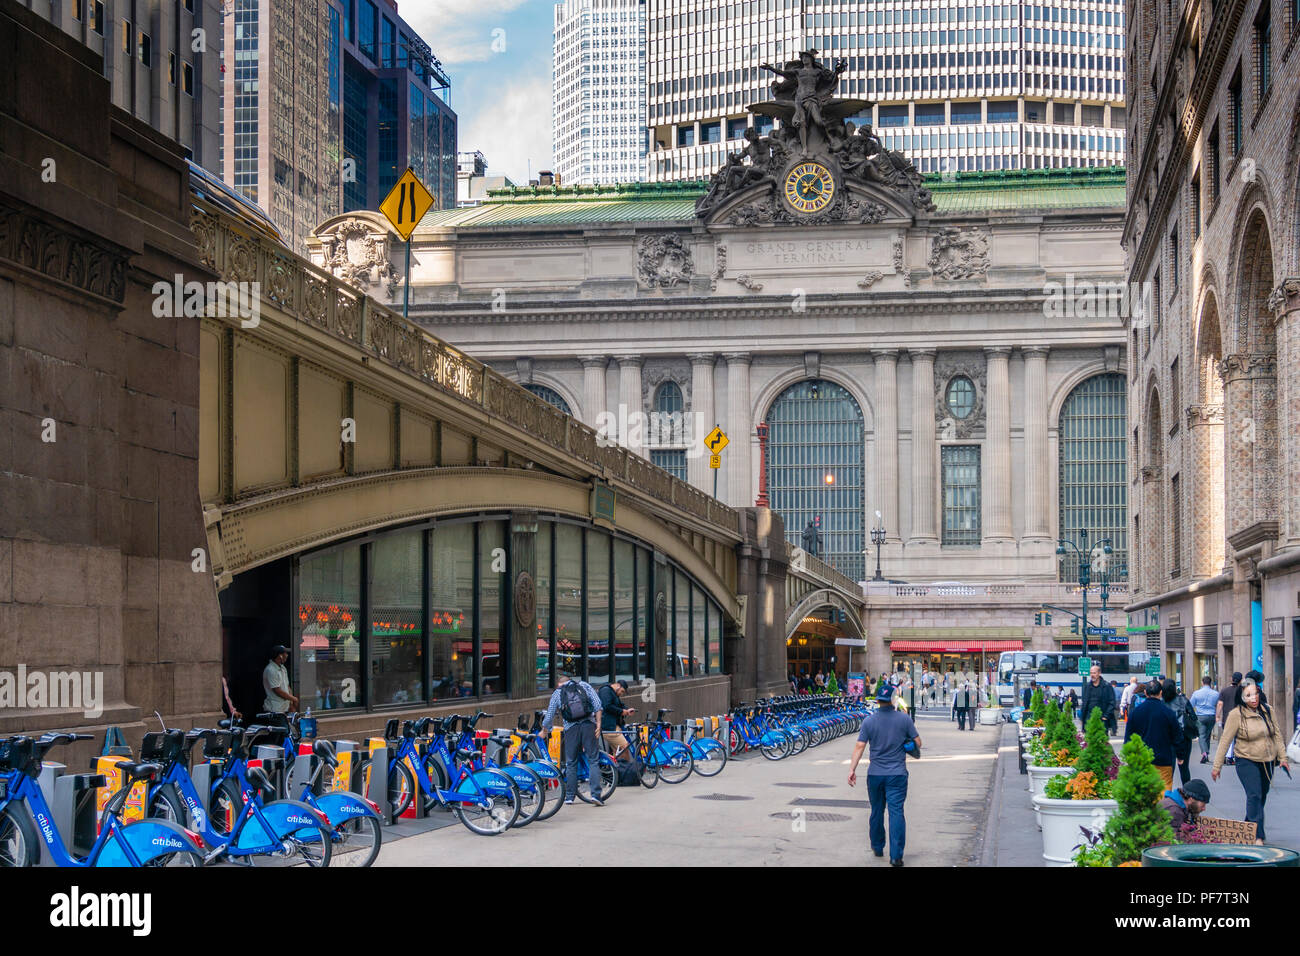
[[406, 204], [717, 440], [715, 461]]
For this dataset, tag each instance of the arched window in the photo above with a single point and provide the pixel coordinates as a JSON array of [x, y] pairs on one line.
[[550, 396], [667, 429], [815, 469], [1093, 471]]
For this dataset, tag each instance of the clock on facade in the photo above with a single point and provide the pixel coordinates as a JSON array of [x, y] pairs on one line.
[[809, 187]]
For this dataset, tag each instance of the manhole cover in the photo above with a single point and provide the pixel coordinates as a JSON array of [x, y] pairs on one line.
[[721, 796], [810, 817], [805, 802], [807, 786]]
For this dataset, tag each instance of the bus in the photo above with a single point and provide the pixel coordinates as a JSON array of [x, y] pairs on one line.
[[1051, 669]]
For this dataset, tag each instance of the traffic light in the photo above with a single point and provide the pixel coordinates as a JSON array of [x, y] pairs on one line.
[[1038, 619], [1074, 625], [1047, 619]]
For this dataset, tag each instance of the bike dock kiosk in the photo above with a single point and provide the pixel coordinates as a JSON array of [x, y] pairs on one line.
[[71, 798]]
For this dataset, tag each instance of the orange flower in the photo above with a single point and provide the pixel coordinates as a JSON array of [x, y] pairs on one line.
[[1132, 863], [1082, 786]]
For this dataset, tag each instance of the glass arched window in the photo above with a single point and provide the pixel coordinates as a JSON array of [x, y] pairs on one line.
[[667, 428], [1093, 471], [961, 397], [550, 396], [815, 469]]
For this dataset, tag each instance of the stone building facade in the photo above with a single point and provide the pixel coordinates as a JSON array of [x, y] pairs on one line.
[[1214, 389], [98, 402], [903, 345]]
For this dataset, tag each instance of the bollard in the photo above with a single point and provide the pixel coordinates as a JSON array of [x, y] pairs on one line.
[[376, 782]]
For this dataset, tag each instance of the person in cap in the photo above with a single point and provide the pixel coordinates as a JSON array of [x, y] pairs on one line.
[[1186, 803], [275, 680], [888, 731]]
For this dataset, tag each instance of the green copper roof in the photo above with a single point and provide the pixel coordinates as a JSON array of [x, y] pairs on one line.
[[1010, 190]]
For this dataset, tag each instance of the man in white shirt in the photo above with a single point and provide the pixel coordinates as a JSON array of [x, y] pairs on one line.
[[1126, 700], [275, 679]]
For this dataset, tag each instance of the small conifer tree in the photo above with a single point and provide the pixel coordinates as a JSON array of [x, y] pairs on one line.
[[1141, 821], [1097, 753]]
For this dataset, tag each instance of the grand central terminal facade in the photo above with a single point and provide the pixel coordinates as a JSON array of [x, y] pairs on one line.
[[930, 357]]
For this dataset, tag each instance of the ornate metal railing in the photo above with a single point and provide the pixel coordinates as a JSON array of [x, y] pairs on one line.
[[327, 303], [807, 565]]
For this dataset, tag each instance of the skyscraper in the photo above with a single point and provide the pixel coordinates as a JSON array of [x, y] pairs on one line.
[[162, 59], [957, 86], [327, 104], [599, 91]]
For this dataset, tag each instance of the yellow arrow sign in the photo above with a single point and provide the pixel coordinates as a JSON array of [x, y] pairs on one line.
[[406, 204], [717, 440]]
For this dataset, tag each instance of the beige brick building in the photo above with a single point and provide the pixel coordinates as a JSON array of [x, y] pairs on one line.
[[1214, 388]]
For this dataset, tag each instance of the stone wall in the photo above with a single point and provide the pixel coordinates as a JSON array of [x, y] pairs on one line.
[[98, 398]]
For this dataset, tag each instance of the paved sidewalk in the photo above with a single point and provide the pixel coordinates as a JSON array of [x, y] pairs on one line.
[[743, 815], [1012, 838]]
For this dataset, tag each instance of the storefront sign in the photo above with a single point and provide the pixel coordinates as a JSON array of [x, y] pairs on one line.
[[602, 502]]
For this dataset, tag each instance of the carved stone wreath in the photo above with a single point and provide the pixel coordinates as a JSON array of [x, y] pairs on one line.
[[959, 254], [663, 261], [899, 266], [525, 599], [357, 255], [870, 279], [946, 368]]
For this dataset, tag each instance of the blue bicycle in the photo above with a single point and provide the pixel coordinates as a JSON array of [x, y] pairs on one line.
[[537, 752], [354, 831], [139, 843], [485, 800]]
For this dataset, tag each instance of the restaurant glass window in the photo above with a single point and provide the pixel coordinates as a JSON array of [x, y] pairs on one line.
[[451, 610], [624, 609], [542, 583], [598, 594], [327, 650], [680, 624], [396, 612], [492, 574], [644, 614], [715, 638], [568, 598]]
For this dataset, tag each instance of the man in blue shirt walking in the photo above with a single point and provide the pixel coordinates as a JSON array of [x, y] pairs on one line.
[[1203, 702], [887, 731]]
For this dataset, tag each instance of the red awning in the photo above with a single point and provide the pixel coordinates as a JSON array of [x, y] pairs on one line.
[[1098, 643], [957, 647]]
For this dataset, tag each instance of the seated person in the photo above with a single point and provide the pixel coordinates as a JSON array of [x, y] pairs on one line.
[[1186, 803]]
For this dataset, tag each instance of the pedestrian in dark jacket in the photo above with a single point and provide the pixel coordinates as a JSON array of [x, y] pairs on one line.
[[1097, 693], [1156, 725], [1178, 706]]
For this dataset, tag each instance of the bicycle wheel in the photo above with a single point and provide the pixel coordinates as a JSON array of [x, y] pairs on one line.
[[437, 775], [496, 814], [674, 764], [288, 835], [649, 772], [179, 858], [225, 807], [554, 796], [356, 842], [531, 793], [401, 787], [774, 747], [17, 838], [608, 780], [710, 757], [166, 805]]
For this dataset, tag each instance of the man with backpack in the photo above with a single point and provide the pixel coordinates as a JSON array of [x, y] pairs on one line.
[[579, 705], [1176, 701]]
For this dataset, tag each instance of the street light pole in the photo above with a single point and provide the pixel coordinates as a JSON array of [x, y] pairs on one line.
[[878, 538]]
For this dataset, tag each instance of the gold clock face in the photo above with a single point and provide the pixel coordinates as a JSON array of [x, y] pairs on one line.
[[809, 187]]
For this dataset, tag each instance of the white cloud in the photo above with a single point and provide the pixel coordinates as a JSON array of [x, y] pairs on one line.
[[460, 31], [511, 127]]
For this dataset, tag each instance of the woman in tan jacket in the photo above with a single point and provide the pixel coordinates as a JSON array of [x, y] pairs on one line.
[[1259, 748]]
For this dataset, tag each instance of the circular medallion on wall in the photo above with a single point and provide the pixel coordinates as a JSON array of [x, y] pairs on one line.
[[525, 599], [661, 613]]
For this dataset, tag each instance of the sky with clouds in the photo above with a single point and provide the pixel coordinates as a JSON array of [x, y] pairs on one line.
[[498, 56]]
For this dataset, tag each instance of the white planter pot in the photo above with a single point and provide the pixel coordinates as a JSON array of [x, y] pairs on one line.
[[990, 716], [1061, 820], [1038, 777]]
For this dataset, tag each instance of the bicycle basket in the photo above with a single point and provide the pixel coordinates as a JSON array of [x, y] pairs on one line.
[[17, 753]]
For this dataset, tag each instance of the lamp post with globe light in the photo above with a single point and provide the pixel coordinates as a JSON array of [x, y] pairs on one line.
[[1086, 556]]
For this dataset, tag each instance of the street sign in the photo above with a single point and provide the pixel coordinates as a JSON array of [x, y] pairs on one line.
[[715, 461], [1102, 631], [406, 204], [1085, 665], [1153, 666], [717, 440]]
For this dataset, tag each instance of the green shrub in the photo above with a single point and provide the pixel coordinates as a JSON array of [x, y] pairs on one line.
[[1097, 753], [1141, 822]]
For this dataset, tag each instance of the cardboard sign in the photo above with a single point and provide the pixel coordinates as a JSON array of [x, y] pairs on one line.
[[1228, 831]]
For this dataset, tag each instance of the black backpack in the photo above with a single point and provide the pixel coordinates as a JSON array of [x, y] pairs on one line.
[[574, 705], [1191, 725]]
